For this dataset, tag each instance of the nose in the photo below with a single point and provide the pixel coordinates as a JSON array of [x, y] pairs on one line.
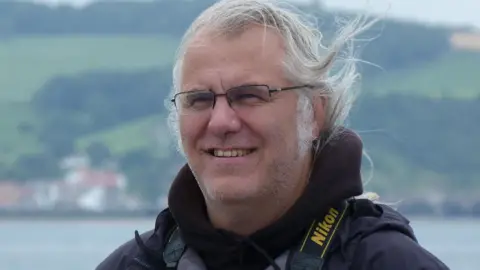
[[223, 119]]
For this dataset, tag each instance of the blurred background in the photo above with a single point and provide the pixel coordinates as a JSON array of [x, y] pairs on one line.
[[86, 158]]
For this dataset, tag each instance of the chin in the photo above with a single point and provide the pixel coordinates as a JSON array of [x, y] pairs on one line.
[[232, 189]]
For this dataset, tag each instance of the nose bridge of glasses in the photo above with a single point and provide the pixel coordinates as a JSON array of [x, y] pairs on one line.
[[222, 109], [217, 95]]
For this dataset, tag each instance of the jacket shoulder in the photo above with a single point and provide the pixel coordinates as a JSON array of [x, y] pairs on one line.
[[122, 257], [142, 251], [385, 240], [393, 250]]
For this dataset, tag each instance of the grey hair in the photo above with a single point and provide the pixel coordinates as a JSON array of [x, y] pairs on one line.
[[307, 60]]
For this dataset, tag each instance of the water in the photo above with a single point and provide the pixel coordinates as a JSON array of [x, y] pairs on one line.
[[81, 245]]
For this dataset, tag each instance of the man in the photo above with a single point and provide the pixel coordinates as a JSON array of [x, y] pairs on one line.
[[272, 177]]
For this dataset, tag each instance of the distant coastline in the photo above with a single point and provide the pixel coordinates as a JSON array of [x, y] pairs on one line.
[[78, 215], [411, 210]]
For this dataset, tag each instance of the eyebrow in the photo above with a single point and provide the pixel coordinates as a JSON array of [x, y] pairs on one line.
[[196, 88]]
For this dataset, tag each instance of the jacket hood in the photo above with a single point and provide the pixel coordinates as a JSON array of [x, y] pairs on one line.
[[335, 177]]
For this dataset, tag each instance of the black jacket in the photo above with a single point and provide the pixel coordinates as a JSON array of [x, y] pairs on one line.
[[371, 236]]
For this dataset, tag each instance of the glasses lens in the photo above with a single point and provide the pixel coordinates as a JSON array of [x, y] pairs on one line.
[[194, 101], [249, 95]]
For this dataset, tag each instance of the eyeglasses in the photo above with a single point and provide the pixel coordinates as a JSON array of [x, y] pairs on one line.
[[240, 96]]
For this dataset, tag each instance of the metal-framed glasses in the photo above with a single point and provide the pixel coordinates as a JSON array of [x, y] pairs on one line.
[[240, 96]]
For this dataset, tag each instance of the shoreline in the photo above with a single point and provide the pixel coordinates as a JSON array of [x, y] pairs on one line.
[[151, 214]]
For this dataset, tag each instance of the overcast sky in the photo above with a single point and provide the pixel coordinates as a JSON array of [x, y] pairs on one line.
[[459, 12], [443, 11]]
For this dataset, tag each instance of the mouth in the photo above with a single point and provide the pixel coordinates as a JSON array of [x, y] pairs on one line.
[[230, 153]]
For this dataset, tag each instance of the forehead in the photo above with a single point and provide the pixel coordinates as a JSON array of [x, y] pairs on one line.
[[253, 55]]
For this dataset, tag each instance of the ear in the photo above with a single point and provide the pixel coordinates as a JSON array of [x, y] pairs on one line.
[[319, 106]]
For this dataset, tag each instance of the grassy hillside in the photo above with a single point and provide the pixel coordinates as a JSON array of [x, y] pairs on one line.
[[17, 125], [144, 133], [454, 75], [28, 62]]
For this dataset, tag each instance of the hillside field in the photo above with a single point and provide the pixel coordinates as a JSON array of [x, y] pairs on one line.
[[455, 75], [13, 140], [144, 133], [29, 62]]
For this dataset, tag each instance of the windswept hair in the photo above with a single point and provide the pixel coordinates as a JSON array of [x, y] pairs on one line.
[[330, 68]]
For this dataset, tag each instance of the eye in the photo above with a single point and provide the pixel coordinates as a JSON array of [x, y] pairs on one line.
[[249, 94], [196, 99]]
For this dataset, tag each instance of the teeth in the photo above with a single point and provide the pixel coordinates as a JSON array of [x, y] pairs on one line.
[[231, 153]]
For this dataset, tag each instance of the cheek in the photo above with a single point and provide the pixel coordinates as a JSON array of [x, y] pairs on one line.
[[281, 137], [189, 132]]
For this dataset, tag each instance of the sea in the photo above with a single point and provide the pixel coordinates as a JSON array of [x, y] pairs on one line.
[[81, 245]]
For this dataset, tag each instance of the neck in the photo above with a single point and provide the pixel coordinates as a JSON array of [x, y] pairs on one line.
[[245, 218]]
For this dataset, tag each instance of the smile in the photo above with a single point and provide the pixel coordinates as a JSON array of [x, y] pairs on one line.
[[230, 152]]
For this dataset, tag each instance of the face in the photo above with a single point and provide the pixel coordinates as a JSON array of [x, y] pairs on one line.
[[251, 153]]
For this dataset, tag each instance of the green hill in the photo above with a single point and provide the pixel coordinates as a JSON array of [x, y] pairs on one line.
[[144, 133], [17, 126], [32, 61], [93, 80], [454, 75], [29, 62]]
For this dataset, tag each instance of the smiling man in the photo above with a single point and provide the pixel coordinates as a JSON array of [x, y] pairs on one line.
[[272, 177]]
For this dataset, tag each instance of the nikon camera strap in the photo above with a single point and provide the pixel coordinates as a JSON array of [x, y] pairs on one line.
[[309, 255], [312, 251]]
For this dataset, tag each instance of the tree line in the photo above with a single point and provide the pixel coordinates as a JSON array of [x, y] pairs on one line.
[[390, 44]]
